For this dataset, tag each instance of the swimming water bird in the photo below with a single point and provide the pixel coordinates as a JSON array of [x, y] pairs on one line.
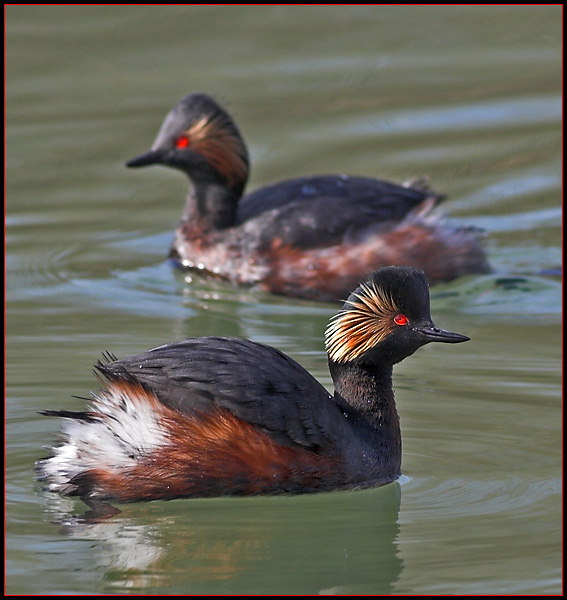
[[216, 416], [312, 237]]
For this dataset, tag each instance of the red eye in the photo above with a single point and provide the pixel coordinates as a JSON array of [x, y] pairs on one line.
[[182, 142], [401, 320]]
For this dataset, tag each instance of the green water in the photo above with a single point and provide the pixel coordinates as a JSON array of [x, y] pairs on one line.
[[472, 97]]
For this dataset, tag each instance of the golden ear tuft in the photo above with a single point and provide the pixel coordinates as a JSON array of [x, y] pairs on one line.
[[218, 142], [365, 320]]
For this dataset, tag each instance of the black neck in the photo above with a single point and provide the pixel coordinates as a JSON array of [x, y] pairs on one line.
[[212, 205], [367, 393]]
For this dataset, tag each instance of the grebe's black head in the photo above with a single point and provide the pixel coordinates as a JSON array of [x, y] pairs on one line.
[[386, 319], [199, 138]]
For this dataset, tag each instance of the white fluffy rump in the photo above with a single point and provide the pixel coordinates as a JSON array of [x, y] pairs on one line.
[[120, 427]]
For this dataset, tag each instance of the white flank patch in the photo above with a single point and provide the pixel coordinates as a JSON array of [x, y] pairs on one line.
[[126, 429]]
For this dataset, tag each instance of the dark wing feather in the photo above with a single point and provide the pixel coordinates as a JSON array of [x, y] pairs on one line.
[[314, 211], [256, 383]]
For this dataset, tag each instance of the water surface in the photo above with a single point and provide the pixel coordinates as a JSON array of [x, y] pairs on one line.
[[471, 97]]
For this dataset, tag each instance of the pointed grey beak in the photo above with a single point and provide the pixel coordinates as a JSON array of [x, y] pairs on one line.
[[153, 157], [434, 334]]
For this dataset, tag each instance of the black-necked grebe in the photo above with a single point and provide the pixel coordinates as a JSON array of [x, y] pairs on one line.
[[312, 237], [219, 416]]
